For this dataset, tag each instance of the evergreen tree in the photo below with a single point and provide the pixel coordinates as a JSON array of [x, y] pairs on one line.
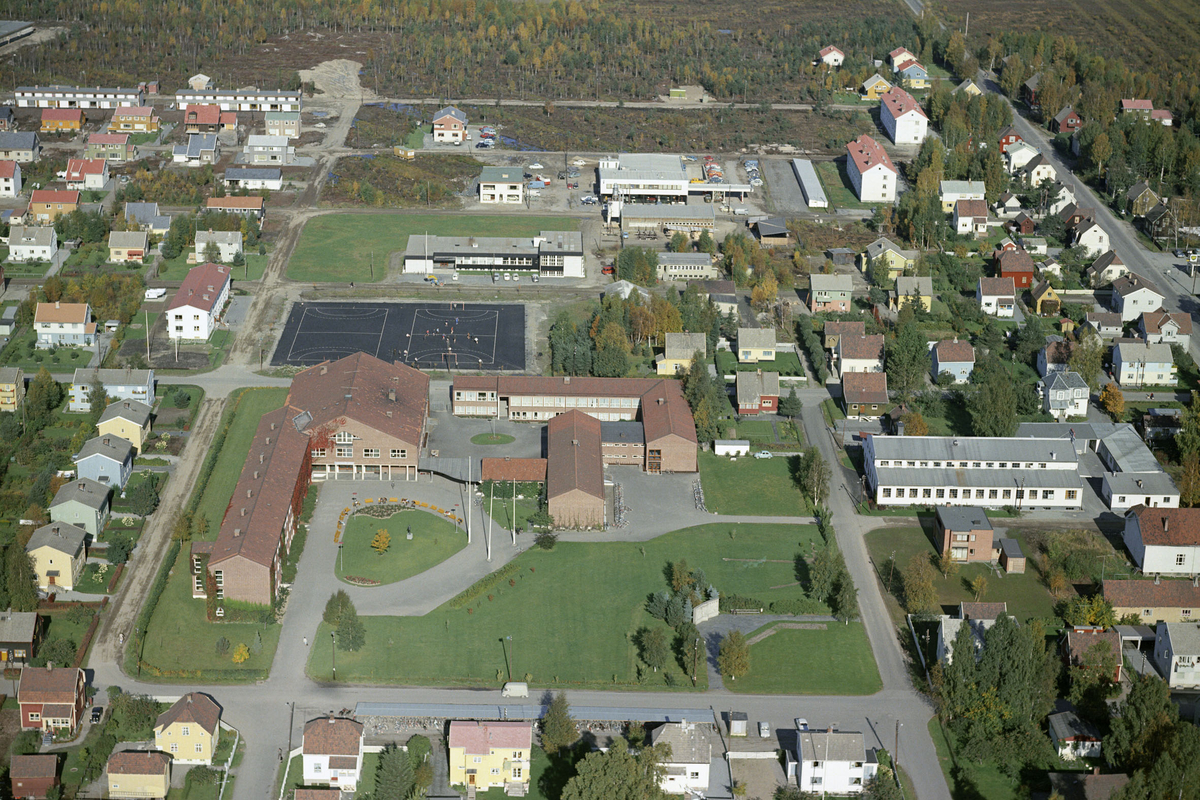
[[21, 579], [558, 728], [845, 605], [394, 775], [907, 361], [338, 602], [97, 401], [655, 651], [791, 406], [351, 633], [618, 774]]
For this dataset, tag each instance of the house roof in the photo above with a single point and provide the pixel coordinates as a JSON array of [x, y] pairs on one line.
[[862, 347], [54, 196], [982, 610], [135, 411], [1066, 113], [61, 536], [201, 287], [30, 236], [864, 387], [831, 746], [827, 49], [968, 82], [10, 375], [44, 765], [1105, 261], [247, 203], [1043, 290], [977, 448], [1153, 321], [1168, 527], [1150, 594], [1066, 725], [1086, 227], [997, 287], [128, 239], [480, 738], [899, 51], [884, 244], [1064, 379], [501, 175], [333, 736], [866, 153], [18, 140], [971, 208], [1058, 352], [1010, 547], [963, 518], [845, 327], [219, 237], [1138, 189], [1015, 261], [113, 377], [899, 102], [573, 460], [1036, 162], [831, 283], [1137, 351], [757, 338], [450, 111], [8, 169], [138, 762], [513, 469], [689, 743], [77, 168], [135, 111], [1137, 105], [282, 116], [875, 79], [206, 114], [685, 345], [193, 708], [61, 114], [954, 351], [253, 174], [1032, 83], [1185, 637], [753, 386], [113, 447], [920, 285], [911, 67], [1161, 114], [197, 145], [108, 138], [18, 626], [1083, 638], [48, 685], [86, 491]]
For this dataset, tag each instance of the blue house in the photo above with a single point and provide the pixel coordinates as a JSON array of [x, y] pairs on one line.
[[106, 459], [956, 357]]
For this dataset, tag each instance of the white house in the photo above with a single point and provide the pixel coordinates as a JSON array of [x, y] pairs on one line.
[[193, 312], [1177, 653], [1073, 737], [31, 244], [501, 185], [1122, 491], [1065, 394], [332, 750], [1106, 269], [119, 384], [1141, 364], [261, 149], [902, 117], [1162, 327], [831, 56], [687, 770], [1018, 155], [970, 218], [953, 191], [997, 296], [1007, 206], [1133, 295], [1164, 541], [833, 762], [87, 173], [252, 178], [1066, 197], [228, 244], [981, 471], [61, 324], [860, 354], [871, 171], [449, 125], [1039, 169], [1091, 237], [10, 179]]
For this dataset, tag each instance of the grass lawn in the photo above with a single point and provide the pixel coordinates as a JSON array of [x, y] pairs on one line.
[[92, 582], [980, 782], [575, 646], [1024, 593], [758, 431], [121, 505], [21, 353], [492, 438], [846, 665], [751, 486], [838, 188], [784, 364], [434, 540], [176, 269], [339, 247]]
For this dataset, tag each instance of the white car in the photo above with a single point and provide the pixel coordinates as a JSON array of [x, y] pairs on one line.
[[801, 724], [508, 276], [536, 165], [764, 730], [579, 162], [763, 454]]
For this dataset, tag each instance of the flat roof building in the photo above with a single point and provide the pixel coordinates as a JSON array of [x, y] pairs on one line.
[[557, 254]]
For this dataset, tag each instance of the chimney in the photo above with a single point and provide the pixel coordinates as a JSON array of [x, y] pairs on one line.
[[249, 493], [272, 426], [243, 511], [255, 474], [567, 380], [237, 531], [1166, 524], [392, 395], [49, 666], [324, 370]]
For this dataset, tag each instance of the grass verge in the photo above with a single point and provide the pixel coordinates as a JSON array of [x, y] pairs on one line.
[[846, 665], [434, 540], [751, 486]]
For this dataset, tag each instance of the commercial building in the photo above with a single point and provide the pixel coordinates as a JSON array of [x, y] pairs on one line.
[[240, 100], [78, 97], [501, 185], [871, 171], [687, 267], [667, 216], [977, 471], [575, 471], [557, 254], [638, 177]]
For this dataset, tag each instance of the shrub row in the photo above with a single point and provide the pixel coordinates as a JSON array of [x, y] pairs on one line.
[[207, 675], [87, 641], [112, 582], [487, 582]]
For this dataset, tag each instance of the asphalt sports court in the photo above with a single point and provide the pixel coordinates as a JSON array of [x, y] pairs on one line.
[[465, 336]]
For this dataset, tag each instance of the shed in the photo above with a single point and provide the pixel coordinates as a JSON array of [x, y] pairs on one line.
[[738, 723], [1012, 558], [731, 447]]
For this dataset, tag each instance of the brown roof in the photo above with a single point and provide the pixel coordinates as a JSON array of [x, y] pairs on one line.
[[971, 208], [39, 766], [1080, 640], [193, 707], [845, 328], [1015, 261], [1168, 527], [1148, 594], [1058, 352], [333, 736], [866, 153], [862, 346], [865, 387], [63, 114], [242, 203], [54, 196], [573, 460], [1154, 320], [514, 469], [203, 115], [318, 794], [957, 350], [1131, 282], [343, 762], [998, 287], [982, 610], [62, 312], [201, 287], [480, 738], [138, 762], [46, 685], [665, 413]]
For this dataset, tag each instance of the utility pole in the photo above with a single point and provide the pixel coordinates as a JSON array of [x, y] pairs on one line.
[[896, 755], [333, 653], [148, 337]]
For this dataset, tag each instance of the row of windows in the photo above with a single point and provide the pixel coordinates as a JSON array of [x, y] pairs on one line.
[[367, 452], [980, 494], [576, 402], [175, 747], [962, 464]]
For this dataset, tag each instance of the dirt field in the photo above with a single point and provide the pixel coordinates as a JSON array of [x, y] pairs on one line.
[[386, 181]]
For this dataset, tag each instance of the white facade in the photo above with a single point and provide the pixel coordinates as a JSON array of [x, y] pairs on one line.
[[731, 447], [832, 762], [1163, 541], [1177, 654], [269, 150], [902, 117], [1138, 364], [317, 770], [1064, 395], [875, 183], [1018, 155], [251, 178], [953, 191], [551, 253], [979, 471], [1093, 238], [239, 100], [229, 244], [501, 185], [193, 312], [644, 175], [1132, 304], [32, 244], [77, 97], [994, 300], [10, 179], [84, 173]]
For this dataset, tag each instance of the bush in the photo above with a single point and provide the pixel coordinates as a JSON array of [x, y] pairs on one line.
[[484, 584], [545, 540], [119, 548], [181, 399], [144, 498], [60, 652]]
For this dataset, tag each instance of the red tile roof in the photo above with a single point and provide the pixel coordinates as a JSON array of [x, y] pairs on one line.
[[865, 387], [54, 196], [997, 287], [39, 766], [202, 115], [333, 736], [862, 347], [1148, 594], [138, 762], [77, 168], [845, 328], [514, 469], [971, 208], [46, 685], [866, 154], [829, 49], [898, 52], [61, 114], [1082, 639], [480, 738], [573, 461], [1168, 527], [1137, 105], [956, 350], [240, 203], [1153, 321], [201, 288], [899, 102], [8, 169], [1015, 261], [62, 312], [109, 138]]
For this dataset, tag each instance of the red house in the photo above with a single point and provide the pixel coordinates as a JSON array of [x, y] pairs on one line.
[[1017, 264], [1009, 136], [32, 776], [1066, 121], [1022, 224], [757, 392], [51, 698]]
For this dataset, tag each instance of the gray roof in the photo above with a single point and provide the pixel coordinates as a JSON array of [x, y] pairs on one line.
[[253, 174], [18, 140], [30, 236], [831, 283], [830, 746], [1064, 380], [1010, 547], [921, 285], [17, 626], [685, 345], [197, 144], [1068, 725], [962, 187], [1141, 483], [62, 536], [147, 214], [220, 237], [1086, 431], [452, 111], [684, 259], [281, 116], [127, 239], [949, 627], [85, 491], [1128, 451], [776, 226], [11, 374], [882, 244], [1135, 352], [963, 518], [501, 175], [753, 386], [133, 410], [689, 743], [971, 448], [113, 447], [1185, 637], [668, 211], [759, 338], [113, 377], [625, 431], [980, 478]]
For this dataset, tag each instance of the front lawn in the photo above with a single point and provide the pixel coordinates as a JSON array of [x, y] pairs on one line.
[[572, 641], [176, 269], [22, 352], [845, 665], [784, 364], [93, 581], [751, 486], [836, 182], [434, 540]]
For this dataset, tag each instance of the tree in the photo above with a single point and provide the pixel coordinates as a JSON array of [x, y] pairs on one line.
[[212, 253], [882, 786], [394, 775], [1188, 438], [222, 646], [845, 606], [1189, 481], [705, 243], [907, 361], [1142, 724], [1092, 681], [979, 587], [791, 406], [1087, 359], [825, 571], [351, 633], [947, 565], [256, 645], [181, 398], [920, 594], [97, 401], [337, 603], [679, 242], [1113, 401], [618, 774], [993, 402], [733, 659], [765, 292], [45, 395], [558, 728], [914, 424], [814, 475], [144, 498], [1088, 611], [382, 541], [655, 651], [1100, 151], [119, 548], [241, 654]]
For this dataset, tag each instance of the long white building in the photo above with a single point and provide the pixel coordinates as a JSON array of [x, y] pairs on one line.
[[977, 471], [556, 254], [810, 183], [78, 97], [240, 100]]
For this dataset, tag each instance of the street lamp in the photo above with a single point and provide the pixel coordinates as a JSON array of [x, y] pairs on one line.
[[333, 653], [511, 655]]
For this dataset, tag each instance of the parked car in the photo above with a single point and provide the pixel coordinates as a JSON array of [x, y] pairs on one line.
[[533, 278], [763, 454], [764, 730], [579, 162], [1179, 253], [508, 276], [536, 165], [495, 277], [588, 200], [486, 144], [609, 269], [97, 714], [801, 724]]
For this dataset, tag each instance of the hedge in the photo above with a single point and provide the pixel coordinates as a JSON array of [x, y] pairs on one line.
[[481, 587]]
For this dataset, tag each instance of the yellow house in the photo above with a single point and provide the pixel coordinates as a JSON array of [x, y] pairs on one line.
[[911, 289], [875, 87], [58, 551], [128, 419], [138, 774], [62, 120], [1044, 295], [679, 350], [1164, 601], [190, 729], [898, 261], [140, 119], [755, 344], [12, 388], [488, 754]]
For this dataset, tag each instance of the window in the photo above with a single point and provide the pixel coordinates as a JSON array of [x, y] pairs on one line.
[[174, 747], [516, 772], [477, 759], [887, 492], [345, 452], [1007, 494], [912, 492], [1180, 558], [883, 463], [1003, 465], [978, 494], [318, 452], [974, 465], [816, 781], [926, 493], [344, 437], [1145, 612], [1185, 612], [992, 494], [1047, 494], [1042, 466], [397, 453], [187, 730], [941, 493], [34, 716], [316, 767], [954, 494], [199, 747], [1072, 493], [495, 770], [370, 452]]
